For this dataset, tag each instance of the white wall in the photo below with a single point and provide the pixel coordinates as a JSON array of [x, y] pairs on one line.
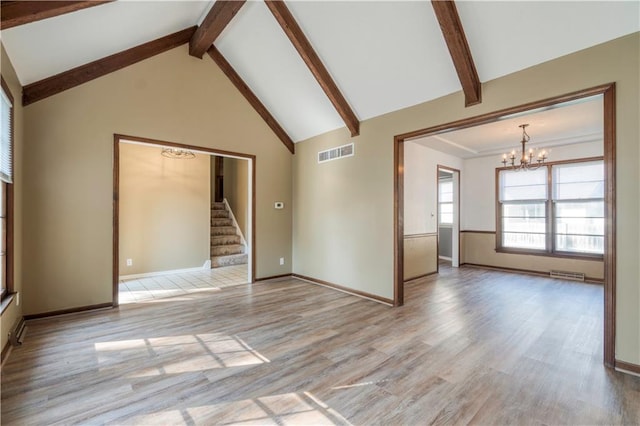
[[478, 183], [420, 189]]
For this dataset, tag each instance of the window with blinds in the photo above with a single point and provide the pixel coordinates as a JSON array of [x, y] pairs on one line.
[[6, 179], [556, 209], [523, 198], [578, 205], [445, 202], [6, 145]]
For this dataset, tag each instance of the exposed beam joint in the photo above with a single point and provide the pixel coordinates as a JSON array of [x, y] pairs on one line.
[[14, 13], [74, 77], [242, 87], [221, 13], [453, 33], [317, 68]]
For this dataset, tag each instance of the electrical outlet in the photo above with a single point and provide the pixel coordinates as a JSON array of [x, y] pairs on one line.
[[282, 261], [129, 262]]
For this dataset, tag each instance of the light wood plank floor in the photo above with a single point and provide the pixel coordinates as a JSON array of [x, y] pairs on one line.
[[470, 346]]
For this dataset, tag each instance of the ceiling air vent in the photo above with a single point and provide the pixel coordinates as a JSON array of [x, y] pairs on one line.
[[335, 153]]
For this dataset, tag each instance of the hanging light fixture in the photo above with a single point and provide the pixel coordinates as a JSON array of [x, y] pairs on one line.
[[529, 160], [178, 153]]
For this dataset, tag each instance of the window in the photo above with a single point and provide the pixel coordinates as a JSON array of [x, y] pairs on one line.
[[557, 209], [445, 201], [6, 190]]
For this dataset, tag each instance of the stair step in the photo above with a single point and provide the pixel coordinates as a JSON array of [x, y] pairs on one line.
[[221, 222], [234, 259], [223, 230], [227, 250], [216, 213], [224, 240], [218, 206]]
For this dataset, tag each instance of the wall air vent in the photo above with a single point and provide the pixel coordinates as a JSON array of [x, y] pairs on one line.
[[576, 276], [335, 153]]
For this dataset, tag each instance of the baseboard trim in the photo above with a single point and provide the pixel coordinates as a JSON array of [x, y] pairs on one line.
[[68, 311], [273, 277], [527, 271], [17, 331], [347, 290], [408, 280], [627, 367], [5, 353], [474, 231], [169, 272]]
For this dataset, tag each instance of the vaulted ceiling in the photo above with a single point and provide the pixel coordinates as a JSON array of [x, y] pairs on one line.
[[381, 55]]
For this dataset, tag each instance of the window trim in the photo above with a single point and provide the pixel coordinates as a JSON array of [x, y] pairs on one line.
[[551, 252], [8, 294]]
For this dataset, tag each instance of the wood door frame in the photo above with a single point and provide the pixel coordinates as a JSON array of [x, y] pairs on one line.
[[116, 197], [608, 92], [457, 205]]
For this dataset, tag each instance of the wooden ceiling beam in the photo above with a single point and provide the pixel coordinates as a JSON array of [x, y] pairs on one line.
[[14, 13], [454, 36], [74, 77], [317, 68], [219, 16], [253, 100]]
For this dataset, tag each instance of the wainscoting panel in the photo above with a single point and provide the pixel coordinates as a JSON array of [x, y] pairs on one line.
[[420, 255], [478, 248]]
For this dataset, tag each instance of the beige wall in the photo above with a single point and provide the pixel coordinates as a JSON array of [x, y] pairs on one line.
[[420, 256], [68, 175], [14, 311], [343, 215], [164, 210], [236, 190]]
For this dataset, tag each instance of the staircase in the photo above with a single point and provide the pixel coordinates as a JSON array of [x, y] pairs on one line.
[[226, 244]]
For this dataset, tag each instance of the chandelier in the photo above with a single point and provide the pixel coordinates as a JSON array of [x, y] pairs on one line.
[[529, 160], [178, 153]]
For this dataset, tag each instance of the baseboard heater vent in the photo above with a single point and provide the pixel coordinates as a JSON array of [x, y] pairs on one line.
[[575, 276], [335, 153]]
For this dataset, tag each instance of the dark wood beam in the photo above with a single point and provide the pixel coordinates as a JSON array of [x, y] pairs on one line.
[[237, 81], [221, 13], [453, 33], [14, 13], [309, 56], [74, 77]]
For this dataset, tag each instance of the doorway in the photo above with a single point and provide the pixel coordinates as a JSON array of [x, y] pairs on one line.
[[184, 182], [448, 215], [607, 92]]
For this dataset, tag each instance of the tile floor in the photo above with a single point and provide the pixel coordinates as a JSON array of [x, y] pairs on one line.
[[137, 290]]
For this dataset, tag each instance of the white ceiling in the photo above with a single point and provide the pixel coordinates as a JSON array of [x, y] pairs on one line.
[[383, 55], [563, 124]]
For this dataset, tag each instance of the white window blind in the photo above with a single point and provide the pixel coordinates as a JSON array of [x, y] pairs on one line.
[[578, 181], [519, 186], [6, 174]]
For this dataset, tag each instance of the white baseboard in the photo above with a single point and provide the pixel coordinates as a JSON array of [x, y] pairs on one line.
[[444, 258], [207, 265]]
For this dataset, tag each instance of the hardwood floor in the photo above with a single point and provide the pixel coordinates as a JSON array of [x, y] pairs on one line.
[[470, 346]]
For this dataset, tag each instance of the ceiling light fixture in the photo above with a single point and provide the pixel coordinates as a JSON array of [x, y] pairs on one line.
[[178, 153], [529, 160]]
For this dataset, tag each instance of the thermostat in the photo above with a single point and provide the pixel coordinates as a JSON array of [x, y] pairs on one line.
[[279, 205]]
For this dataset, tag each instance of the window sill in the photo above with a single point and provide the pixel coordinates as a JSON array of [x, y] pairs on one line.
[[592, 257], [6, 301]]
